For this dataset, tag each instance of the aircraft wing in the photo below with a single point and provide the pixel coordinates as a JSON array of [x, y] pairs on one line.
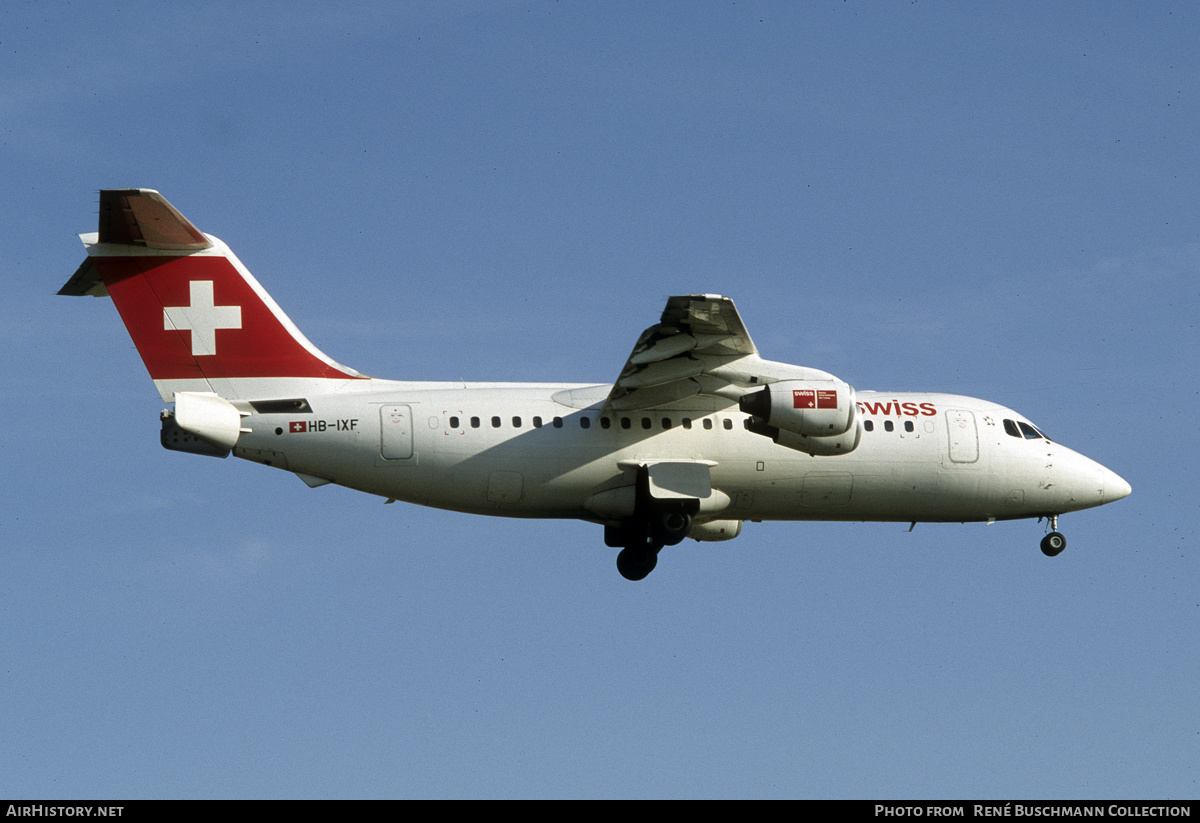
[[686, 353]]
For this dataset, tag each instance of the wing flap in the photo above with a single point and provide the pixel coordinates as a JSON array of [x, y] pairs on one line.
[[681, 355], [671, 344], [659, 372]]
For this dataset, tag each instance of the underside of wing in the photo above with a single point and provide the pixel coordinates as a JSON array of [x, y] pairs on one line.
[[688, 352]]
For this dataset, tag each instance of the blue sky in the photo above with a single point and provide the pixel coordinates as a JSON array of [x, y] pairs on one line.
[[997, 200]]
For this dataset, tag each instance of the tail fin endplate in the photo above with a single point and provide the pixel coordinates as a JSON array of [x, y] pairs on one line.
[[199, 319]]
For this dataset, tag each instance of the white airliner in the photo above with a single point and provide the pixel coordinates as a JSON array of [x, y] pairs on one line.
[[697, 435]]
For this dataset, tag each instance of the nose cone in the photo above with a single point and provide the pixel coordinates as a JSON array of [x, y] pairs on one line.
[[1076, 482], [1114, 487]]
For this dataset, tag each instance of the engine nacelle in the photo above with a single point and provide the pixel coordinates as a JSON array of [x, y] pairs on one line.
[[811, 408], [816, 446], [715, 530]]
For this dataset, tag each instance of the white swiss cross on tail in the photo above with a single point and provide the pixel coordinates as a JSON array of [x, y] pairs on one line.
[[202, 318]]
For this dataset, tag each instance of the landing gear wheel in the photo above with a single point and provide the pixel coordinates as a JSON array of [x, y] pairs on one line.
[[635, 562], [1053, 544]]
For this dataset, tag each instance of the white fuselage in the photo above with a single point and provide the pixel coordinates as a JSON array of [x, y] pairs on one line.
[[697, 434], [541, 450]]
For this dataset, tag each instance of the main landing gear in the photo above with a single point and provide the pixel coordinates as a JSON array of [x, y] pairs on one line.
[[635, 562], [1054, 542], [642, 538], [655, 523]]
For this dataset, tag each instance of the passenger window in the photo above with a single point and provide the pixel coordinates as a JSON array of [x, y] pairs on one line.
[[888, 426], [708, 422], [454, 422], [626, 422], [666, 422], [908, 425], [687, 422], [584, 422], [495, 422], [516, 422], [728, 424], [558, 422], [537, 422], [646, 423], [474, 422], [869, 425], [605, 423]]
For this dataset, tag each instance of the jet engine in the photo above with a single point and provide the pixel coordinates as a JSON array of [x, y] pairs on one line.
[[818, 417], [714, 530], [813, 408]]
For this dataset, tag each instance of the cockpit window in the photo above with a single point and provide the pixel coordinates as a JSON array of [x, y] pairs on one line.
[[1031, 433], [1023, 430]]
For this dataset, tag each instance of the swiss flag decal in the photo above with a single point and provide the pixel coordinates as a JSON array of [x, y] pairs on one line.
[[814, 399], [197, 316]]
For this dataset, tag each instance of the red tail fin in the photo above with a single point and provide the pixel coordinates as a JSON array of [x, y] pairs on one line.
[[199, 319]]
